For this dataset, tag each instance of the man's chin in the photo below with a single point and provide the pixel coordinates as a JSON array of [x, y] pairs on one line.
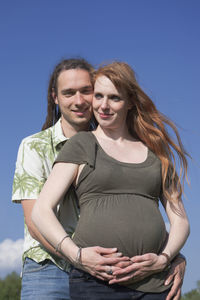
[[77, 121], [80, 122]]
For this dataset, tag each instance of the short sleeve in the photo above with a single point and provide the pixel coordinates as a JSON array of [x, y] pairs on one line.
[[79, 149], [29, 174]]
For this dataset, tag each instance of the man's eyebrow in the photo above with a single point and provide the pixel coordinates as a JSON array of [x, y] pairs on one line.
[[86, 87], [64, 91], [70, 90]]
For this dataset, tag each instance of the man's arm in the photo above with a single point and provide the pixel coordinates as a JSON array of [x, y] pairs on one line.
[[176, 274], [27, 208], [28, 179]]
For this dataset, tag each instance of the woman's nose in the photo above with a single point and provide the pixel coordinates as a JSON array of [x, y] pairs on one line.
[[104, 104]]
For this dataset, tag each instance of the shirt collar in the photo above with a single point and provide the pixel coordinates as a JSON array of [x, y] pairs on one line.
[[57, 134]]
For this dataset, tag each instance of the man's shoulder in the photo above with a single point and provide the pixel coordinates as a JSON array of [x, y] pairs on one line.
[[40, 143], [43, 135]]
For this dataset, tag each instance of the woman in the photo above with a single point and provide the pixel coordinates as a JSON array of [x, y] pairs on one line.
[[120, 171]]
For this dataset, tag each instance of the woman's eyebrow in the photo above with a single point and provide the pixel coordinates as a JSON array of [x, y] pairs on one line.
[[114, 95]]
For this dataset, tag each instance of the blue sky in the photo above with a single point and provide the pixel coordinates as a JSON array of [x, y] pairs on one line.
[[158, 38]]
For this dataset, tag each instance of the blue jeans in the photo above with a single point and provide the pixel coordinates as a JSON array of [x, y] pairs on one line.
[[83, 286], [42, 281]]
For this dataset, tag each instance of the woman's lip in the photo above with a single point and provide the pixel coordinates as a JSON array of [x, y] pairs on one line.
[[105, 116]]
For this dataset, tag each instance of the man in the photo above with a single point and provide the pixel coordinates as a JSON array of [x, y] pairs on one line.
[[45, 272]]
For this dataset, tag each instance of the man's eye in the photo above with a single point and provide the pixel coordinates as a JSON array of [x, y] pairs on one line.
[[98, 96], [87, 91], [69, 94]]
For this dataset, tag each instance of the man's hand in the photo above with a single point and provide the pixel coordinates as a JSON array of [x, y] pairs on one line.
[[176, 274]]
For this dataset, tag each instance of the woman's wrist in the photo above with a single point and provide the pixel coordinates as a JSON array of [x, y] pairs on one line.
[[69, 249], [167, 258], [58, 246], [78, 260], [164, 259]]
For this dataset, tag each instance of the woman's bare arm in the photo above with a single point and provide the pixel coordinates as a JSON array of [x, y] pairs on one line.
[[93, 261]]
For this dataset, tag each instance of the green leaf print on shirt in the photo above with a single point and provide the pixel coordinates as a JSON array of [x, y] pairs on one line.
[[26, 184]]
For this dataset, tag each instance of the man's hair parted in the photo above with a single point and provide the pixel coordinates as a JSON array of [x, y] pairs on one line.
[[53, 112]]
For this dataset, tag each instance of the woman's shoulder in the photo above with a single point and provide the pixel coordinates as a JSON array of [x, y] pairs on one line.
[[82, 137], [82, 134], [78, 148], [81, 142]]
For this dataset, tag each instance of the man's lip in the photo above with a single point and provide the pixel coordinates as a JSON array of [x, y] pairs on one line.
[[80, 112]]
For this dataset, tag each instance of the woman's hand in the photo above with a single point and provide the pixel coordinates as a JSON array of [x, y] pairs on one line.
[[99, 261], [145, 265], [141, 266]]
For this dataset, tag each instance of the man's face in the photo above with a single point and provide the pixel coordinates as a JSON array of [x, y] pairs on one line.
[[74, 97]]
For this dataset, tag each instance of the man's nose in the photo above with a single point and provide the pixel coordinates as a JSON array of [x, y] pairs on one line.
[[79, 98]]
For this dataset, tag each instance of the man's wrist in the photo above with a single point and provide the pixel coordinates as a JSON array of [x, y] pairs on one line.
[[180, 255]]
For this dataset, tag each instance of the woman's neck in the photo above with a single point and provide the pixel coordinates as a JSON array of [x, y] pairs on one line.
[[118, 134]]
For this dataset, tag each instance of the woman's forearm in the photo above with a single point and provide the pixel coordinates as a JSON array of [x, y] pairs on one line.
[[57, 184], [179, 226], [179, 232]]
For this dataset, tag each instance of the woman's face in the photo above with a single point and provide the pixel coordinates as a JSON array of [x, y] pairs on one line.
[[110, 109]]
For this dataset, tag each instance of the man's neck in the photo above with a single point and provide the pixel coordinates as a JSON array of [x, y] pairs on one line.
[[71, 129]]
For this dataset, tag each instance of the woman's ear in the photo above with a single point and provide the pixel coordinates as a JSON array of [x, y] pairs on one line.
[[130, 105]]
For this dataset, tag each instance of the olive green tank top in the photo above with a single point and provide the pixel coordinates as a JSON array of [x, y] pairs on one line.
[[118, 203]]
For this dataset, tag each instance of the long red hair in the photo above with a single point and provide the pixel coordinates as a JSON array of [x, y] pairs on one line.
[[147, 124]]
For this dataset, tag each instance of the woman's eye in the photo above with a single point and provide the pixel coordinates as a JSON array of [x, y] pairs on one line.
[[98, 96], [115, 98]]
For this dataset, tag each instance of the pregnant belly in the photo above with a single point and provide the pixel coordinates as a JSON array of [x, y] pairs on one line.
[[131, 223]]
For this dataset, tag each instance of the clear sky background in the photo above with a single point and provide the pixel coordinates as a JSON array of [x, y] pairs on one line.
[[160, 39]]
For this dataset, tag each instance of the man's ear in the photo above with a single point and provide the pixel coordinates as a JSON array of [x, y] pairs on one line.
[[55, 98]]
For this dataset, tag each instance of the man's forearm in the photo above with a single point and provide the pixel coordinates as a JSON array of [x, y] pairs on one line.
[[28, 205], [39, 237]]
